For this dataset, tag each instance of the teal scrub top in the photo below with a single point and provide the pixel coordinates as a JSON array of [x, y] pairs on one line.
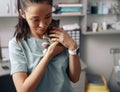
[[24, 57]]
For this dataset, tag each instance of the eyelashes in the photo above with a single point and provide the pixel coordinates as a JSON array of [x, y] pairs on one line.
[[38, 20]]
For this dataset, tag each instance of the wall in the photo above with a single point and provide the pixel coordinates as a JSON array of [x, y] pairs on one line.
[[7, 28], [95, 51]]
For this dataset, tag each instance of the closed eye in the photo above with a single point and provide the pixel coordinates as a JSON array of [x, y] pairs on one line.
[[36, 20], [48, 17]]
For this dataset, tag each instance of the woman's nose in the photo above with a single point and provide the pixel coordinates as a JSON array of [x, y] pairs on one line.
[[42, 24]]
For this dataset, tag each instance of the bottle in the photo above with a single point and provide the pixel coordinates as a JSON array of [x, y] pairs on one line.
[[94, 9], [100, 7], [99, 28], [104, 25], [94, 26], [105, 8]]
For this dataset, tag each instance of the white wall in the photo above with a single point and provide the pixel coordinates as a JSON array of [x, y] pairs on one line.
[[7, 28]]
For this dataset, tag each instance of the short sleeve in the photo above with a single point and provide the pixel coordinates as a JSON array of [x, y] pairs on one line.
[[17, 57]]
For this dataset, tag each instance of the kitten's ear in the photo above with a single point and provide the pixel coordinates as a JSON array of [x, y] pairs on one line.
[[57, 22], [54, 23], [22, 13]]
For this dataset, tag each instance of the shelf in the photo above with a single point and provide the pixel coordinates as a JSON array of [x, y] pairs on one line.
[[102, 11], [67, 15], [54, 15], [102, 32], [102, 14]]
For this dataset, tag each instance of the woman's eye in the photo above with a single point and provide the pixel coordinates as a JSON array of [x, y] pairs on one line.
[[48, 17], [36, 20]]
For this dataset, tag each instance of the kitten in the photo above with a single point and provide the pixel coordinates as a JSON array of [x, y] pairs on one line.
[[54, 23]]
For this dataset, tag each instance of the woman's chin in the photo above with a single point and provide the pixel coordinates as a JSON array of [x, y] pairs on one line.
[[40, 32]]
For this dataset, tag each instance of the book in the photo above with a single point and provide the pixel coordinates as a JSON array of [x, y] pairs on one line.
[[71, 9], [70, 5], [71, 13]]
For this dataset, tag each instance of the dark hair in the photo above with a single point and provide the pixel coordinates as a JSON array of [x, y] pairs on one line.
[[22, 27]]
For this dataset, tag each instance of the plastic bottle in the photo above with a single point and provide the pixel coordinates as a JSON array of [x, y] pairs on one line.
[[104, 25], [94, 26], [100, 8]]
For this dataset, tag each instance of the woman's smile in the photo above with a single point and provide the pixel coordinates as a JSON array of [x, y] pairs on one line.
[[41, 31]]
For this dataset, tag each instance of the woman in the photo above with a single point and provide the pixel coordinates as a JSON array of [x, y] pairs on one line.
[[33, 71]]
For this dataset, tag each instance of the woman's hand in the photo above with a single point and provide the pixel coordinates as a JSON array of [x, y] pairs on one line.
[[62, 37], [54, 49]]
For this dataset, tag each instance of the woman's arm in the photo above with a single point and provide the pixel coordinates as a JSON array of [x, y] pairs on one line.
[[26, 83], [74, 68], [74, 64]]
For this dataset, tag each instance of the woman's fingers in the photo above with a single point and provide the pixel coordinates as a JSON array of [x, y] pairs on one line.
[[54, 39], [61, 36], [54, 35], [55, 31]]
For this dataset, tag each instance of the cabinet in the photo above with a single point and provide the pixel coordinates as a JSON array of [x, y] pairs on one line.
[[5, 8], [14, 7], [8, 8], [6, 82], [103, 17]]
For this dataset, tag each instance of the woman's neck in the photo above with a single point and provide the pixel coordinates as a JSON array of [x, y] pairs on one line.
[[37, 36]]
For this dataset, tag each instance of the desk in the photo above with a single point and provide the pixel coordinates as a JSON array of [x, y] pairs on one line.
[[4, 68], [6, 83]]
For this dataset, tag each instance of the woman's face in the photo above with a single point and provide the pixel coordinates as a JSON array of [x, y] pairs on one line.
[[39, 17]]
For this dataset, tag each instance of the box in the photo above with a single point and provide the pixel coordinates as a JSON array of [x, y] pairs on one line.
[[98, 84]]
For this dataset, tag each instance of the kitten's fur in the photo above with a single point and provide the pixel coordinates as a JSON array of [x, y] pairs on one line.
[[54, 23]]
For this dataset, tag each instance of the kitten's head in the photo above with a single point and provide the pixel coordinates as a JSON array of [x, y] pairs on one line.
[[54, 23]]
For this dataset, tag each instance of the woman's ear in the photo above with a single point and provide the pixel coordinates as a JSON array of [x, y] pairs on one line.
[[22, 13]]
